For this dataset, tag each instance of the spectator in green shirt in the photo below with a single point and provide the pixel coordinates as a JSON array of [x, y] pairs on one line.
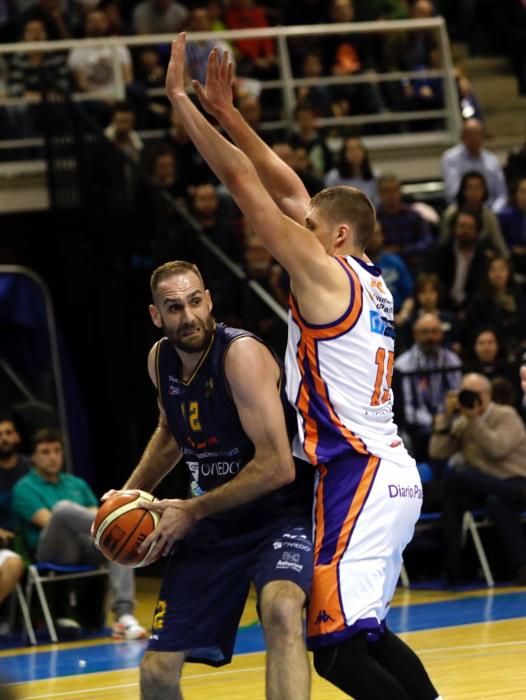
[[57, 510]]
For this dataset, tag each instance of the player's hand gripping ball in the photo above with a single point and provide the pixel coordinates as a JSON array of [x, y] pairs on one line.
[[121, 526]]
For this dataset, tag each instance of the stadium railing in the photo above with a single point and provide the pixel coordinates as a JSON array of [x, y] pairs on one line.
[[286, 84]]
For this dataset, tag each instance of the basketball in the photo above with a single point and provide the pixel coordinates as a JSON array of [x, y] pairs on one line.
[[121, 525]]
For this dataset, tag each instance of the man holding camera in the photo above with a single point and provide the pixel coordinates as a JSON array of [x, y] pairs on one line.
[[488, 444]]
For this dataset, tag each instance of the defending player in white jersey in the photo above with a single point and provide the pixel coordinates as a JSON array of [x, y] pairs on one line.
[[339, 359]]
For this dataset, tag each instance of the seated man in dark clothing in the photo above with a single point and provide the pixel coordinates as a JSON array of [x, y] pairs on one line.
[[460, 262], [405, 231]]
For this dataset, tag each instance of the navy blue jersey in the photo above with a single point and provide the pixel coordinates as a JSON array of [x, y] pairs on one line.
[[204, 421]]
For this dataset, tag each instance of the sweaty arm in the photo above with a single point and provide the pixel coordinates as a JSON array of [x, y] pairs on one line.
[[162, 451], [253, 376], [281, 182]]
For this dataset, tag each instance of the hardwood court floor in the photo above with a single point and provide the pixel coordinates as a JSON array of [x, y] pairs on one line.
[[473, 644]]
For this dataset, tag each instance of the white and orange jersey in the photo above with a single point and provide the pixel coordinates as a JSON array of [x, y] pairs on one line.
[[339, 374]]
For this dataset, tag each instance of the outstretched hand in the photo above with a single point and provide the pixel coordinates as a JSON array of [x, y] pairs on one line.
[[216, 95], [177, 519], [175, 72]]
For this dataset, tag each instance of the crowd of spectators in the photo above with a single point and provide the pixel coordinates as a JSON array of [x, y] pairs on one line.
[[92, 71], [457, 270]]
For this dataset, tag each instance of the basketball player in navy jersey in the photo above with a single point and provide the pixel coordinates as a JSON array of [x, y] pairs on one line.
[[339, 363], [221, 398]]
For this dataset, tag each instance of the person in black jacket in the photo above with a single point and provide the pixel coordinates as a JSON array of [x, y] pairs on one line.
[[460, 262]]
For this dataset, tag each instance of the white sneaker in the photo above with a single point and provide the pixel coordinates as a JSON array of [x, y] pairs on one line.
[[128, 627], [67, 623]]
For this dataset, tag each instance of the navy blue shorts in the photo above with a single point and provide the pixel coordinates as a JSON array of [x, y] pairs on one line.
[[206, 585]]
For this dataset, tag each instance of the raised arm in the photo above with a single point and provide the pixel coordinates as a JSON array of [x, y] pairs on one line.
[[293, 245], [281, 182]]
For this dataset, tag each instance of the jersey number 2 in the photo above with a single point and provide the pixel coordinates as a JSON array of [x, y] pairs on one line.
[[384, 376], [192, 411]]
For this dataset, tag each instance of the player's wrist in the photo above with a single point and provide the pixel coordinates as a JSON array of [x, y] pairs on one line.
[[194, 507], [177, 97]]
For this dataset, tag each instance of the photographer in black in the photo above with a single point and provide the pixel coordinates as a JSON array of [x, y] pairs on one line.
[[486, 445]]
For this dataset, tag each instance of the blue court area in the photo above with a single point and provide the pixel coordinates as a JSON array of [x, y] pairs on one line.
[[35, 664]]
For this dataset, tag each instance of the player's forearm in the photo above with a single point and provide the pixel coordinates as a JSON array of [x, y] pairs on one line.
[[252, 482], [226, 160], [279, 179], [160, 456]]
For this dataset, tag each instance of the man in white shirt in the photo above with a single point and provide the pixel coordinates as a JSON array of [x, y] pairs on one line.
[[92, 66], [470, 155]]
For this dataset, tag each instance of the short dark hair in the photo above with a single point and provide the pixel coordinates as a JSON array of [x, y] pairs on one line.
[[466, 212], [168, 269], [156, 152], [46, 435], [429, 279], [342, 203], [387, 179], [471, 175], [7, 416]]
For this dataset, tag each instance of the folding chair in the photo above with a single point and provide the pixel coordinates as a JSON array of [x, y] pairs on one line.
[[26, 618], [471, 522], [42, 573]]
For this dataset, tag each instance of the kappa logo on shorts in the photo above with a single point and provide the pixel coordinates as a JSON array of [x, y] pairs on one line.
[[323, 616]]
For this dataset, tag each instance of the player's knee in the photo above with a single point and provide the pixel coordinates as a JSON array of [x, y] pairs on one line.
[[281, 611], [62, 510], [11, 572], [15, 566], [159, 670]]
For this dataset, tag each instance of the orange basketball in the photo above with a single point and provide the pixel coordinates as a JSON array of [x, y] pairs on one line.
[[121, 525]]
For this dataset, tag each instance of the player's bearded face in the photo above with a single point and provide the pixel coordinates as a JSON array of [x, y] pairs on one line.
[[191, 336]]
